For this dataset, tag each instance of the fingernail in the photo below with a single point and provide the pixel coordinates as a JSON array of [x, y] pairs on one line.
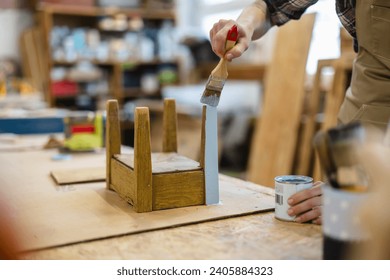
[[290, 201], [290, 212], [229, 56], [298, 220]]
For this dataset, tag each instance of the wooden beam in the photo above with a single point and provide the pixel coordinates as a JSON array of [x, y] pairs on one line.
[[113, 136], [169, 126], [309, 125], [334, 99], [276, 131], [142, 160]]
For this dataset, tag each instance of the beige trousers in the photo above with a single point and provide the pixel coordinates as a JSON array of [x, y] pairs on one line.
[[368, 97]]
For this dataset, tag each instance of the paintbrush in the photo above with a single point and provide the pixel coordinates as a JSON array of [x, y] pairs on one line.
[[345, 143], [337, 149], [321, 144], [219, 75]]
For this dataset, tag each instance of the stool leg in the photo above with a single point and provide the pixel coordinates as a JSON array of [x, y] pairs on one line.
[[169, 126], [113, 136], [203, 137], [142, 161]]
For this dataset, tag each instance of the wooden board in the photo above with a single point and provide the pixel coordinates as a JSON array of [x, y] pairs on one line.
[[170, 191], [15, 142], [79, 175], [305, 149], [334, 99], [34, 59], [51, 215], [251, 237], [276, 131]]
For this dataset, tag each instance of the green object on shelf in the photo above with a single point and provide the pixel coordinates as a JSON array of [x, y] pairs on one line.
[[167, 76], [129, 65], [84, 136]]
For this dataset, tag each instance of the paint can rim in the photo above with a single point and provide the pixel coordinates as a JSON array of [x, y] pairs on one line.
[[293, 179]]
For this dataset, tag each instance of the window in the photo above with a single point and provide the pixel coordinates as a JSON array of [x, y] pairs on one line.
[[212, 11], [325, 41]]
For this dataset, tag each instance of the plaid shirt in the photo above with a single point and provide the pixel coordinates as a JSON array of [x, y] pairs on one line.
[[282, 11]]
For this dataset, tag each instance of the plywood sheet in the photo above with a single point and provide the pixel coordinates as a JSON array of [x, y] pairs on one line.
[[79, 175], [50, 215]]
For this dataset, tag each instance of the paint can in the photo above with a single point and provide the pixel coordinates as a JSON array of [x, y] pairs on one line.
[[286, 186]]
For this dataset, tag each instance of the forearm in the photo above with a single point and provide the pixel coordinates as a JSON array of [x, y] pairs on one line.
[[255, 20]]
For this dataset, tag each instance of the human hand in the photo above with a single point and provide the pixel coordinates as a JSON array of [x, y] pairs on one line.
[[218, 38], [306, 205]]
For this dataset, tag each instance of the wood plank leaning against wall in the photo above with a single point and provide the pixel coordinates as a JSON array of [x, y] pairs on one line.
[[276, 129]]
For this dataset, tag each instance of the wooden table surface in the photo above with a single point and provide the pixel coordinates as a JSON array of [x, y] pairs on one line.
[[252, 236]]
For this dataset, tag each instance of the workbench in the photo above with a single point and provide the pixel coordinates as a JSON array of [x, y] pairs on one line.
[[250, 236]]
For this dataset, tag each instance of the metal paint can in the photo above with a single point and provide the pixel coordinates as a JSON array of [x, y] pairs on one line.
[[286, 186]]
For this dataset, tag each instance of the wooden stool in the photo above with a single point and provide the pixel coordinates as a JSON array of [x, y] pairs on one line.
[[153, 181]]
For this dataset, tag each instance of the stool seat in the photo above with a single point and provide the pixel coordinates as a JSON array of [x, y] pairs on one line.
[[163, 162]]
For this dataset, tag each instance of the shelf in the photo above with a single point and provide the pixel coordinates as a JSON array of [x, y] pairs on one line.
[[93, 11], [66, 96], [125, 64], [137, 92], [117, 72], [236, 71]]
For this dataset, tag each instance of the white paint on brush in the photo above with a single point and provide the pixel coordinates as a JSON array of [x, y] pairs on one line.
[[211, 156]]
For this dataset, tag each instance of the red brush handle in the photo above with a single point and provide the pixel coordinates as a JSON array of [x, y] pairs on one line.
[[232, 34]]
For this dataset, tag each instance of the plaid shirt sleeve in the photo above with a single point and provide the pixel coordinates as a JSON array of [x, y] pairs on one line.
[[346, 14], [281, 11]]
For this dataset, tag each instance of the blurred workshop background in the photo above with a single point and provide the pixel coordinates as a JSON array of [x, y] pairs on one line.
[[62, 60]]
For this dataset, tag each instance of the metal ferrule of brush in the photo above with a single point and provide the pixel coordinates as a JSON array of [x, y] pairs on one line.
[[213, 91], [215, 83]]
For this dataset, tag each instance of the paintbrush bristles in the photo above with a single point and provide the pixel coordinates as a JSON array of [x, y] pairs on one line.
[[213, 91], [215, 84], [210, 98]]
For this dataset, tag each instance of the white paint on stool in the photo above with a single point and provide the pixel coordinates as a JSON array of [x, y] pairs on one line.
[[211, 156]]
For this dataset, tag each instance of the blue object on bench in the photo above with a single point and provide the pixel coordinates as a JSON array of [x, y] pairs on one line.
[[35, 125]]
